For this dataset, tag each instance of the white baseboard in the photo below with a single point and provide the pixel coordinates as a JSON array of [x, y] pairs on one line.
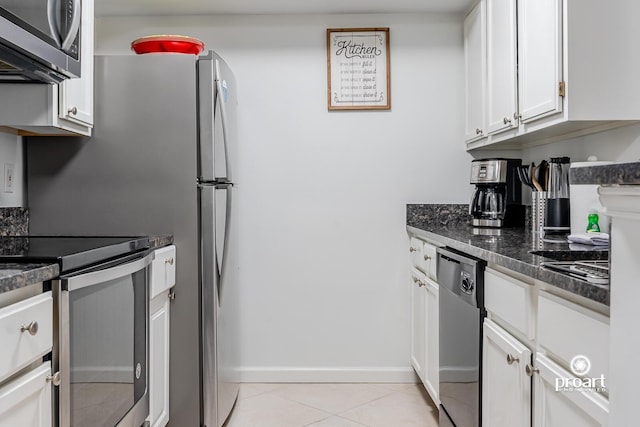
[[270, 374]]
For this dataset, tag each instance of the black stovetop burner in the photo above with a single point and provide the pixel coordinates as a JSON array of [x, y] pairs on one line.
[[70, 252]]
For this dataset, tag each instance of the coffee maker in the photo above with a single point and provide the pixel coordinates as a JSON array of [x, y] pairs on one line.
[[497, 198]]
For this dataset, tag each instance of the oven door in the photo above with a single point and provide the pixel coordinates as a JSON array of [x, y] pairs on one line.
[[101, 347]]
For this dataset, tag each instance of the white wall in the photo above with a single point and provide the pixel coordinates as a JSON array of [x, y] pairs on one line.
[[322, 194], [11, 153]]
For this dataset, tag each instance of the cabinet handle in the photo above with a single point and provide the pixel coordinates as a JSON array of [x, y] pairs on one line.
[[415, 279], [412, 249], [32, 328], [54, 379], [171, 295], [530, 370], [169, 261], [73, 111], [478, 131], [506, 120], [427, 257], [517, 116], [511, 359]]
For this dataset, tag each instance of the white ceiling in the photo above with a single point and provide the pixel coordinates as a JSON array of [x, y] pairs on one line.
[[205, 7]]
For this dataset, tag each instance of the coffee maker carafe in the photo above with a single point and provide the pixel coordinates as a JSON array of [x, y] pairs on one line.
[[497, 198]]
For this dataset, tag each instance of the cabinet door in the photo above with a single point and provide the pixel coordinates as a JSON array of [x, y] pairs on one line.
[[159, 360], [554, 408], [26, 401], [506, 388], [501, 65], [539, 58], [432, 363], [76, 95], [475, 72], [418, 323]]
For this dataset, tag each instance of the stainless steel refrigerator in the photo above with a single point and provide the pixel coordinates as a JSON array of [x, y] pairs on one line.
[[160, 161]]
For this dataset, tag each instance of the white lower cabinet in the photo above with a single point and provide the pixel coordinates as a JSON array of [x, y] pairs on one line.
[[424, 332], [520, 392], [506, 387], [26, 335], [26, 401], [159, 360], [564, 408], [418, 323], [162, 278], [432, 350]]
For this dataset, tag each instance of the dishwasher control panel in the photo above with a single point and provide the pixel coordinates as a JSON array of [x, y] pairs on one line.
[[467, 282], [462, 275]]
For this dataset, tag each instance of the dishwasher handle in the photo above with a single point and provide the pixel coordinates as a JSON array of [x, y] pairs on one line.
[[453, 255], [449, 259]]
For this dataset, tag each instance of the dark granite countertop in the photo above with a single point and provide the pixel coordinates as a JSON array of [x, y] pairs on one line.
[[509, 248], [613, 174], [14, 275]]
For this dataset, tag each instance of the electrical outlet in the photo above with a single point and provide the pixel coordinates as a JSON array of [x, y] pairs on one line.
[[8, 178]]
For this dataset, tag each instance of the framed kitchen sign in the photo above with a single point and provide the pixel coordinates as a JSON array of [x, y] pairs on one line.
[[358, 69]]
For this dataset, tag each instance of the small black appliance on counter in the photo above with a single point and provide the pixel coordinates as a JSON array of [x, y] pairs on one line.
[[497, 199]]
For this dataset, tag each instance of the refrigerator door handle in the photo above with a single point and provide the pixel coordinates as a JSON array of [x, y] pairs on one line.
[[215, 225], [221, 97], [209, 276], [228, 188]]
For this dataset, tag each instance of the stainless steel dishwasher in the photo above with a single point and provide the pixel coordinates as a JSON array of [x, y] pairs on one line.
[[461, 304]]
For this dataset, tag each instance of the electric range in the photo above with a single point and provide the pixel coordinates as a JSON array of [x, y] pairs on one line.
[[592, 271], [69, 252]]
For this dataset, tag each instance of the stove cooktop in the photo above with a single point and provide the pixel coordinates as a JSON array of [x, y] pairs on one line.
[[69, 252], [592, 271]]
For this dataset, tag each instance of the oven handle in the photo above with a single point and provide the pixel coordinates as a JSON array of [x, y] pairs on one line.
[[72, 283]]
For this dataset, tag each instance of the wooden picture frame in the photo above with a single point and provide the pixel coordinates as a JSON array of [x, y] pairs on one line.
[[358, 70]]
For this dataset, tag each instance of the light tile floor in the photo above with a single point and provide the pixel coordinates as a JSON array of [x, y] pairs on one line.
[[333, 405]]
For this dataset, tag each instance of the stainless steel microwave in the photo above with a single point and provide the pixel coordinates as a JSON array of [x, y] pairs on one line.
[[39, 40]]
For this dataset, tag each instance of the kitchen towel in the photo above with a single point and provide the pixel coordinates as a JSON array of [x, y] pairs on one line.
[[596, 239]]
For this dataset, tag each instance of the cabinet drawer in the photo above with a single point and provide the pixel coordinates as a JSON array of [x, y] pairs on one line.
[[511, 300], [415, 252], [423, 257], [163, 270], [26, 401], [21, 346], [429, 260], [567, 330]]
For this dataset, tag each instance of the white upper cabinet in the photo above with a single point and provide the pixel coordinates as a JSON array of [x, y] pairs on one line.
[[557, 69], [475, 61], [64, 109], [76, 95], [502, 82], [540, 85]]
